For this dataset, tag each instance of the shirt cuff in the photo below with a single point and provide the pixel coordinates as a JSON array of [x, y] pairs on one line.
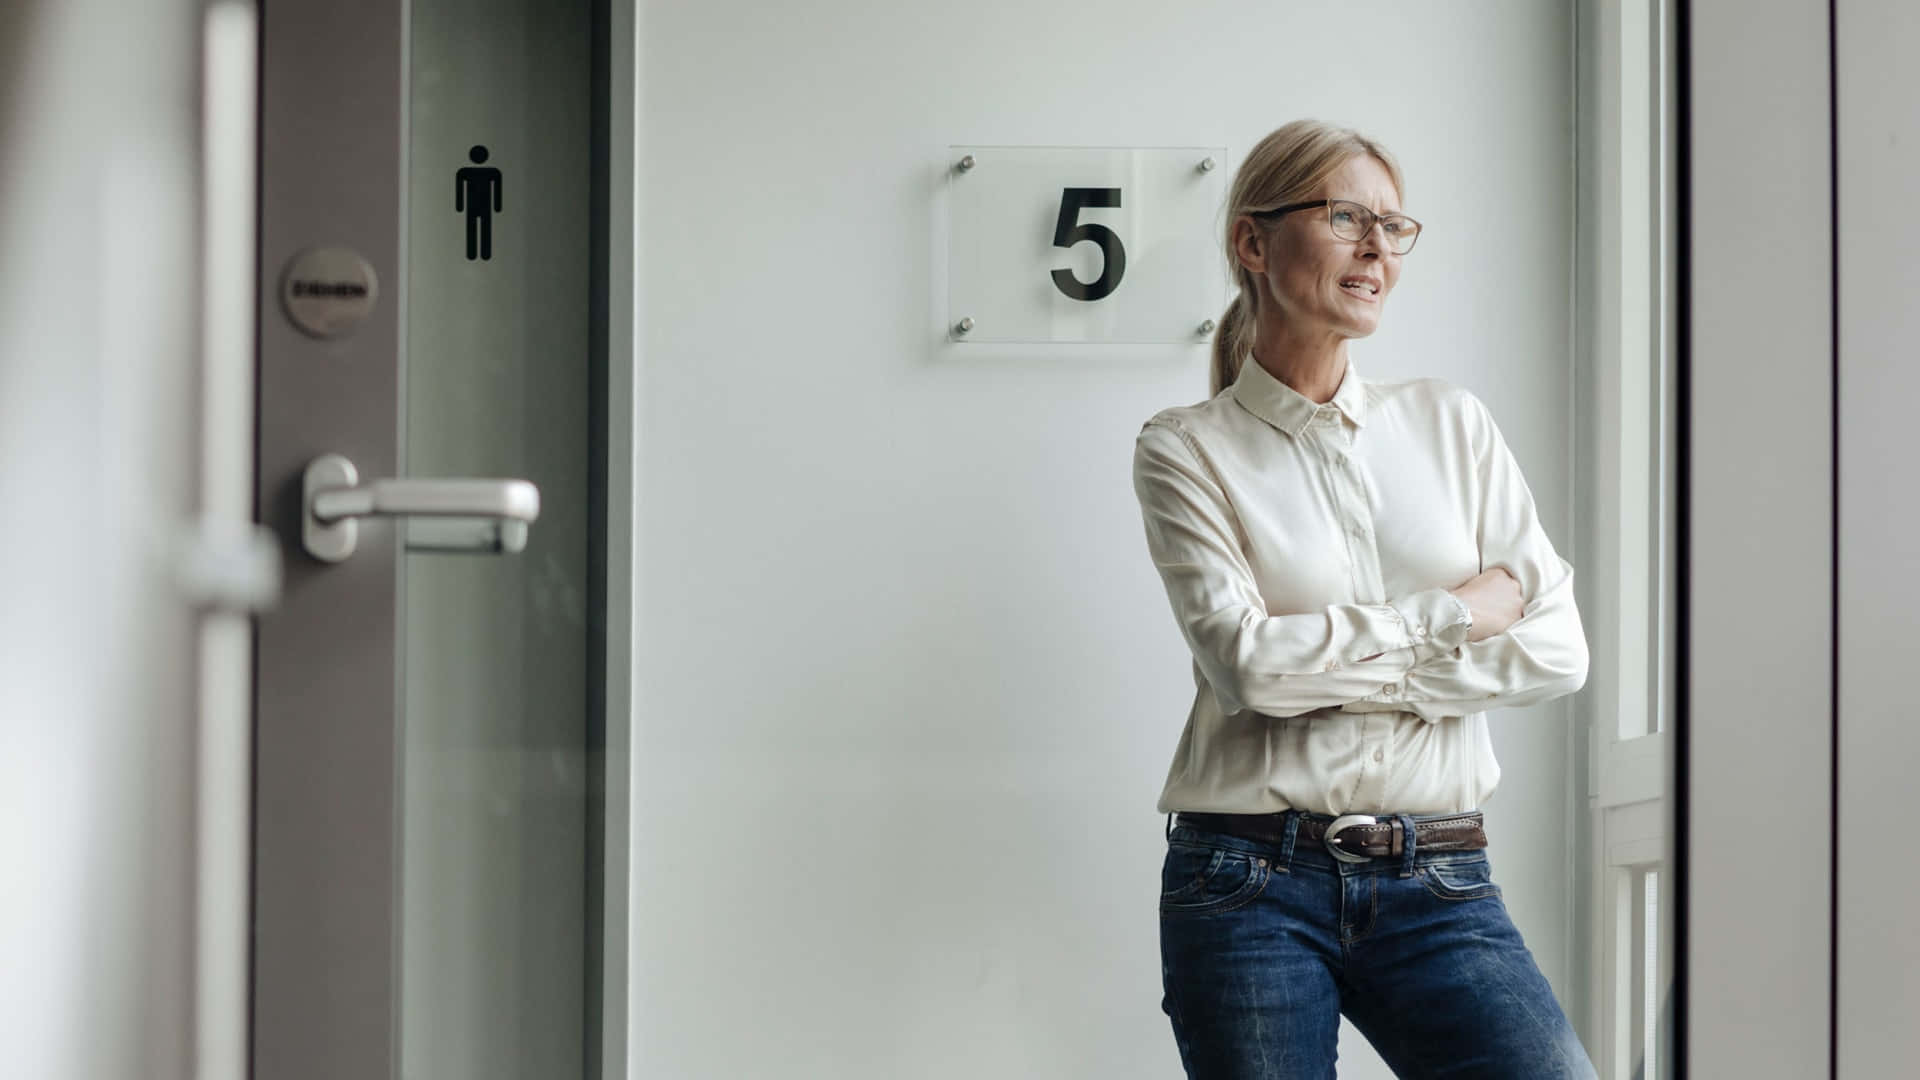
[[1436, 622]]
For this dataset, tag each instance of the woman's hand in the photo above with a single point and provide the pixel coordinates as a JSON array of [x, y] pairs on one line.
[[1494, 598]]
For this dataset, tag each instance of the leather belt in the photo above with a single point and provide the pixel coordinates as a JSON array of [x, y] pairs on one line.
[[1350, 837]]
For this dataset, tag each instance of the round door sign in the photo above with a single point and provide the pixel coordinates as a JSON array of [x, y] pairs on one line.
[[328, 292]]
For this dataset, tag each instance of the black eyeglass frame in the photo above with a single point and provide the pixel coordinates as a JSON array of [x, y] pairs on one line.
[[1328, 203]]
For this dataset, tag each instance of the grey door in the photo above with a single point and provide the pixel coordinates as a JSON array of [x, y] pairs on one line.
[[426, 820]]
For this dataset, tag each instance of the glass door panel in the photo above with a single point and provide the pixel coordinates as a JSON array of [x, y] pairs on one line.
[[494, 777]]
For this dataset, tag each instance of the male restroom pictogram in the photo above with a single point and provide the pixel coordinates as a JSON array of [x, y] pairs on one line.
[[477, 193]]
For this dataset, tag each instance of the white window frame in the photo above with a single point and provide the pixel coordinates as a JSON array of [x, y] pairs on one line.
[[1630, 115]]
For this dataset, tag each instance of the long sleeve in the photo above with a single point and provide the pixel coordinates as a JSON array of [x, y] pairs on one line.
[[1277, 665], [1543, 654]]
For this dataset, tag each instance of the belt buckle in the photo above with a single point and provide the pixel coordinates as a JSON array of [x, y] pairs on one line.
[[1333, 831]]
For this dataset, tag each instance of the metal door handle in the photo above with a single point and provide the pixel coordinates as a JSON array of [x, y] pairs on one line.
[[334, 500]]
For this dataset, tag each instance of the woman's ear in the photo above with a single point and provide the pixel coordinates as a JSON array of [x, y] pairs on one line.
[[1250, 245]]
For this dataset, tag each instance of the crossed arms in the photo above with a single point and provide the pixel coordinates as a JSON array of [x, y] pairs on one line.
[[1285, 665]]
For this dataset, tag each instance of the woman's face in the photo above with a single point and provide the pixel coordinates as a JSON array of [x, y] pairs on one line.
[[1304, 264]]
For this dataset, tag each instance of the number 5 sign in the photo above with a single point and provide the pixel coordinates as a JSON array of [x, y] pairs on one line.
[[1097, 245]]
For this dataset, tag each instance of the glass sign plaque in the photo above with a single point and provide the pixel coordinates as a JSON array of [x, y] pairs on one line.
[[1056, 244]]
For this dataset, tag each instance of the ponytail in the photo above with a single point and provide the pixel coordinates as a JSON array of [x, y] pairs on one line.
[[1232, 341]]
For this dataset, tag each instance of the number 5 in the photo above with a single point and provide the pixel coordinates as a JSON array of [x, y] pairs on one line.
[[1067, 232]]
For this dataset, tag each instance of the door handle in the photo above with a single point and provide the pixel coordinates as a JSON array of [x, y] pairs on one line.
[[333, 500]]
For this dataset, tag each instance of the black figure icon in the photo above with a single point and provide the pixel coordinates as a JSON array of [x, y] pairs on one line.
[[477, 191]]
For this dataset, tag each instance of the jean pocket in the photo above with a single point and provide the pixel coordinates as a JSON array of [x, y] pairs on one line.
[[1469, 879], [1197, 880]]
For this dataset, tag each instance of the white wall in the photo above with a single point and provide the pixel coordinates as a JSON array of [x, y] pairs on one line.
[[1879, 988], [1757, 939], [906, 682]]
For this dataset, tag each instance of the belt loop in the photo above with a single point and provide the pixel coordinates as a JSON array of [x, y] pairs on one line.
[[1406, 857], [1169, 826], [1287, 834]]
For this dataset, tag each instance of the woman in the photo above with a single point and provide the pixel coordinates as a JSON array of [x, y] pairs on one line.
[[1359, 573]]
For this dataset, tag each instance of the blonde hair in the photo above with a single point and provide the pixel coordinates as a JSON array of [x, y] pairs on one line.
[[1286, 166]]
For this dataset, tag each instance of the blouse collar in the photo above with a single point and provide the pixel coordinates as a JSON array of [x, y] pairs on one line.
[[1288, 409]]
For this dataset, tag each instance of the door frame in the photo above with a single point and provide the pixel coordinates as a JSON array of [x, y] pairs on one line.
[[326, 908], [617, 422]]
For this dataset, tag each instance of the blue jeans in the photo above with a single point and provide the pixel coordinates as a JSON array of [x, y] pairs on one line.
[[1263, 947]]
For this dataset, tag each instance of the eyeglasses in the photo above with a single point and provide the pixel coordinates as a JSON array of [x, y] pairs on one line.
[[1352, 221]]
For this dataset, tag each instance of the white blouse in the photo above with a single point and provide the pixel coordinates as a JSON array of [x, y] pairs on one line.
[[1296, 539]]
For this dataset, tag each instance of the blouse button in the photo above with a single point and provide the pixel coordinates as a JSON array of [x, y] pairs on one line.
[[1379, 755]]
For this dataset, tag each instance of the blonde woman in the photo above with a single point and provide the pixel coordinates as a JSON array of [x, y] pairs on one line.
[[1359, 573]]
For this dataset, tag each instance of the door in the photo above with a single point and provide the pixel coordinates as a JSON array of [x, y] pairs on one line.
[[428, 821]]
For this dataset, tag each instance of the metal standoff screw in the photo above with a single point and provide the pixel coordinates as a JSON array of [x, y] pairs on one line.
[[966, 164], [964, 325], [1207, 164], [1207, 327]]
